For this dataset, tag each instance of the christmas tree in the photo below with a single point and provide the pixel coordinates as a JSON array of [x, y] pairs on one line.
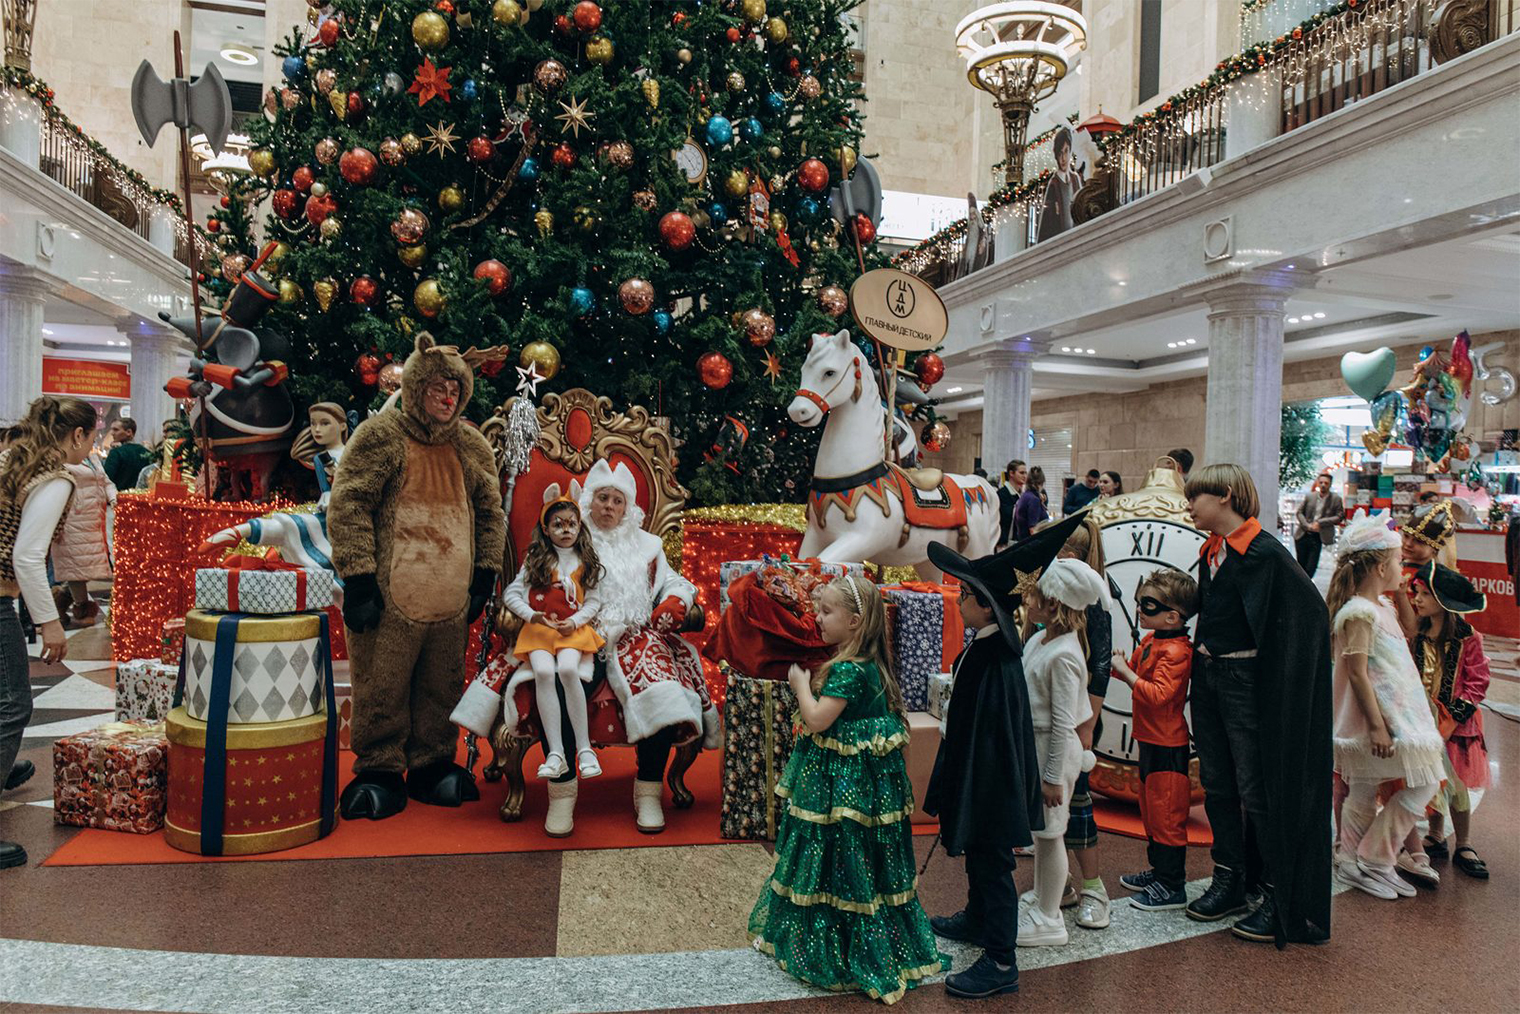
[[229, 233], [634, 197]]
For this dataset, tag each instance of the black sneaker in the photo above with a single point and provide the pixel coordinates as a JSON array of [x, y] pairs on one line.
[[983, 979], [1261, 925], [1158, 897], [1138, 881], [957, 927], [1225, 897]]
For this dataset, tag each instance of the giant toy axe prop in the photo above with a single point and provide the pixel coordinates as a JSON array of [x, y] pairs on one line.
[[860, 193]]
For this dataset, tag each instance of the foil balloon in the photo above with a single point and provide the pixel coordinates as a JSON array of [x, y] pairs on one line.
[[1498, 383], [1386, 409]]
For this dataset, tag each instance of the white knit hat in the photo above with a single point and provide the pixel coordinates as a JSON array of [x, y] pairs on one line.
[[1368, 532], [1071, 583]]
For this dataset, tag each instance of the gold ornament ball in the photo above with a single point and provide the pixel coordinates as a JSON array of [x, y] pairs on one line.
[[833, 300], [652, 92], [754, 10], [325, 289], [776, 30], [759, 327], [331, 228], [326, 150], [327, 79], [935, 436], [411, 144], [390, 378], [735, 81], [773, 151], [683, 54], [636, 296], [451, 198], [599, 49], [545, 222], [261, 161], [736, 183], [543, 355], [534, 5], [506, 13], [644, 200], [278, 254], [809, 87], [778, 222], [412, 256], [234, 265], [430, 31], [428, 297], [620, 155], [586, 219], [845, 156], [290, 293], [391, 152]]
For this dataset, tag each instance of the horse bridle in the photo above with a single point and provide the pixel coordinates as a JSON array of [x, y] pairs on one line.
[[823, 401]]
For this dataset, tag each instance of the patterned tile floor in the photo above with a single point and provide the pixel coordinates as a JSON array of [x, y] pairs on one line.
[[657, 928]]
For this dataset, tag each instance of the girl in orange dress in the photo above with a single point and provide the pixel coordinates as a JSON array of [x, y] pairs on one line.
[[554, 595]]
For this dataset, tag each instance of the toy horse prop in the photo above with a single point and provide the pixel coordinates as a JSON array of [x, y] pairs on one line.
[[862, 507]]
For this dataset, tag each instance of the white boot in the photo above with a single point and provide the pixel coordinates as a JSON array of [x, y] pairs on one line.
[[646, 806], [560, 820]]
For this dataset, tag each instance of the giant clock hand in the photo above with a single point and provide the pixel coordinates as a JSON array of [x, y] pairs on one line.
[[1134, 627]]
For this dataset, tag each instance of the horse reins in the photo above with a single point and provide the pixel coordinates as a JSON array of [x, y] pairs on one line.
[[823, 402]]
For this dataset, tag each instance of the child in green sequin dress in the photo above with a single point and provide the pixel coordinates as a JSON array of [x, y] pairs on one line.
[[841, 908]]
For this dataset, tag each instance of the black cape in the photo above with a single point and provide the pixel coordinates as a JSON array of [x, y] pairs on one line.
[[985, 788], [1294, 708]]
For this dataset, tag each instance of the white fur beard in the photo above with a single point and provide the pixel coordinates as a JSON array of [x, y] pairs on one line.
[[624, 587]]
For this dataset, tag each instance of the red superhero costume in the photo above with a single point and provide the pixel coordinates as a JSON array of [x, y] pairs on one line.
[[1162, 664]]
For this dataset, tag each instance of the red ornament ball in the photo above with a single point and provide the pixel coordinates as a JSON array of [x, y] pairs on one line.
[[225, 202], [496, 276], [364, 291], [563, 156], [367, 366], [865, 229], [714, 370], [359, 166], [733, 35], [480, 150], [329, 32], [793, 66], [284, 202], [318, 208], [562, 25], [445, 6], [213, 225], [636, 296], [587, 16], [303, 178], [678, 19], [677, 230], [929, 368], [813, 175], [356, 107], [759, 327]]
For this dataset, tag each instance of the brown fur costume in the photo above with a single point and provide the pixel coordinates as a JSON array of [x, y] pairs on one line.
[[417, 504]]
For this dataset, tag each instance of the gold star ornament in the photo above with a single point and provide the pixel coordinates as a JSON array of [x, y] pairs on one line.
[[1027, 581], [441, 139], [574, 117]]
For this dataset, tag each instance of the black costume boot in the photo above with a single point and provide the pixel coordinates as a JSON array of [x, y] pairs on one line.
[[1225, 896], [442, 784], [984, 978], [956, 927], [373, 794], [1260, 925], [11, 854], [21, 773]]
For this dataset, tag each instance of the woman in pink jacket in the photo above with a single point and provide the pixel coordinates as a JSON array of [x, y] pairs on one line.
[[82, 548]]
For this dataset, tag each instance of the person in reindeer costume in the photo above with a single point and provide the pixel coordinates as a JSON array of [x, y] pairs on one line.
[[417, 534]]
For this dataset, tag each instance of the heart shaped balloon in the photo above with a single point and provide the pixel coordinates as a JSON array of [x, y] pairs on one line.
[[1368, 373]]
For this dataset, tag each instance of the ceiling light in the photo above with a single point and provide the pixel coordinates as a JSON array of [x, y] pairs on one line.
[[1171, 345], [1124, 283], [1065, 348], [47, 331], [1319, 316], [1292, 320], [1092, 352], [1191, 341], [954, 390], [237, 53]]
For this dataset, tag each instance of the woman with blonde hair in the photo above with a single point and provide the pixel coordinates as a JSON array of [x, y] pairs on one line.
[[35, 493]]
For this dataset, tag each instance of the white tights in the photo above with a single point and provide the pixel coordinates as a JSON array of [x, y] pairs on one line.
[[1373, 835], [1050, 871], [568, 676]]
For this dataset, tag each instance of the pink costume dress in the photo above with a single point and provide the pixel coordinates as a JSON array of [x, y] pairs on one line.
[[1455, 676]]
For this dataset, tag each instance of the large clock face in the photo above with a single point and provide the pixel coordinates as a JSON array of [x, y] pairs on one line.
[[1132, 551], [692, 161]]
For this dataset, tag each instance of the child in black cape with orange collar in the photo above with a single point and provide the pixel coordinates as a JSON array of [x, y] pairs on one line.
[[985, 788]]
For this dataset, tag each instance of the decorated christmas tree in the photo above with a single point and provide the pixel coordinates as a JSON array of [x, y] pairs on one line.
[[634, 197]]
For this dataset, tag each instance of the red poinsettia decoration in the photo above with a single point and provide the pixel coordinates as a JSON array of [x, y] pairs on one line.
[[431, 81]]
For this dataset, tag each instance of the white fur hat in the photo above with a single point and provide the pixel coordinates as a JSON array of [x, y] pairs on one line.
[[1071, 583], [603, 475], [1367, 532]]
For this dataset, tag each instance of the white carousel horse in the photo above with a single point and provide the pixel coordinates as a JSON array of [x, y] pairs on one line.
[[860, 507]]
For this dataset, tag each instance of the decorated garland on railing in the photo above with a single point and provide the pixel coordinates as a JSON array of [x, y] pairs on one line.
[[38, 89]]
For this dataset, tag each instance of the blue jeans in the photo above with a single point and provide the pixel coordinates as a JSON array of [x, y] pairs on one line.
[[15, 686]]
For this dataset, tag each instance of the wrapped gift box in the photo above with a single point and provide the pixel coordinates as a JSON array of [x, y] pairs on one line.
[[269, 592], [926, 628], [114, 777], [174, 644], [923, 748], [939, 695], [731, 570], [276, 666], [276, 780], [757, 743], [145, 690]]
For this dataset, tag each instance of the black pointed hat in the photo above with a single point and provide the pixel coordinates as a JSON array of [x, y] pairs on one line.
[[1002, 578], [1454, 592]]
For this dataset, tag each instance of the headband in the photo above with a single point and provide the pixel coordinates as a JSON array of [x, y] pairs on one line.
[[849, 582], [544, 514]]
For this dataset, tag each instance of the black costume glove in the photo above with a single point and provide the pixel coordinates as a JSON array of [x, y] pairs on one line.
[[362, 603], [480, 593]]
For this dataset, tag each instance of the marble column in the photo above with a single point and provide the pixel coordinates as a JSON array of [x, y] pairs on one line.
[[155, 349], [1244, 416], [21, 126], [23, 297], [1007, 385]]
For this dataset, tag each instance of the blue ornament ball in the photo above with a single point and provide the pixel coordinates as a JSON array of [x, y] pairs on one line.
[[808, 209], [717, 212], [662, 321], [294, 68], [528, 171], [719, 131], [581, 301], [751, 129], [468, 90], [775, 105]]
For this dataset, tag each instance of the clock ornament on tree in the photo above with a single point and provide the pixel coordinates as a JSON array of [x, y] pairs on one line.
[[1143, 531]]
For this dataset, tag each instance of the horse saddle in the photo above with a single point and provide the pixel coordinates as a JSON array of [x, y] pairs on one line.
[[924, 478]]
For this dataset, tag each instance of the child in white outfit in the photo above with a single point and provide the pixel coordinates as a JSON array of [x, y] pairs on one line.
[[1055, 668], [1383, 725]]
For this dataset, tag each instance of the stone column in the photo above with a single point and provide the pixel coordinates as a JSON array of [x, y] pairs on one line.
[[1244, 416], [1007, 384], [21, 126], [155, 348], [23, 296], [1253, 112]]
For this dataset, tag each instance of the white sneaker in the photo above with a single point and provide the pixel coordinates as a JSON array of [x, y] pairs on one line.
[[553, 767], [1352, 875], [1418, 866], [560, 820], [1037, 931], [646, 806], [586, 762], [1068, 899], [1093, 911], [1390, 877]]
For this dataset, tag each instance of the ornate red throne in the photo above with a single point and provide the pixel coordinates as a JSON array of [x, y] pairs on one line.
[[575, 429]]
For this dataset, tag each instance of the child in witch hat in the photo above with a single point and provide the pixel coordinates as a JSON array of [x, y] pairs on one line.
[[985, 788]]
